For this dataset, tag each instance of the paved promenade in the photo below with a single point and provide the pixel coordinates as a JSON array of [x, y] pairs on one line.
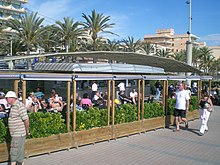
[[158, 147]]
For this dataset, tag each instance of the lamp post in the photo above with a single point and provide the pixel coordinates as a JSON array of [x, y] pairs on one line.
[[189, 42], [11, 65]]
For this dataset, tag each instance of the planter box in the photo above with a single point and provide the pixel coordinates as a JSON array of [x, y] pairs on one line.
[[74, 139], [4, 152], [48, 144], [126, 129], [153, 124], [92, 135]]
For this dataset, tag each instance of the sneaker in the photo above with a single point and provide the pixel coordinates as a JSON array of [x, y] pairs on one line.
[[187, 125], [200, 134]]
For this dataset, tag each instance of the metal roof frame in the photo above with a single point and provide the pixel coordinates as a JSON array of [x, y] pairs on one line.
[[169, 65]]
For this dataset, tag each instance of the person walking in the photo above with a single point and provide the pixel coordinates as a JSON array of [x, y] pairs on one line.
[[205, 104], [18, 122], [94, 88], [181, 107]]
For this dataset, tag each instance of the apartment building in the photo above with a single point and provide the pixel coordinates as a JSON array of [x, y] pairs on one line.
[[10, 9], [170, 41], [215, 51]]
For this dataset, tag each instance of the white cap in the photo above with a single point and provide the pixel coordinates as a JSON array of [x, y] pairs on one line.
[[11, 94]]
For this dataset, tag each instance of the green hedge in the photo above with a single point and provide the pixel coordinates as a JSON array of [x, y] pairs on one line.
[[91, 118], [3, 131], [46, 124]]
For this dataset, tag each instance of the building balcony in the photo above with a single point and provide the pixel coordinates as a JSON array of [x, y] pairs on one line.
[[23, 1], [6, 18], [11, 8]]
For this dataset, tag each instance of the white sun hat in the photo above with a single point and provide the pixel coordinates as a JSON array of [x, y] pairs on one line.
[[11, 94]]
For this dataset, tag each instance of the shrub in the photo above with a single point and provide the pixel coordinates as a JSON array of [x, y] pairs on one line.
[[126, 113], [152, 110], [46, 124], [3, 131], [94, 117]]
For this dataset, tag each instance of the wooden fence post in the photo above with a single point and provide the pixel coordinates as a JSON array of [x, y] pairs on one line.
[[68, 107], [143, 96], [74, 105], [108, 100]]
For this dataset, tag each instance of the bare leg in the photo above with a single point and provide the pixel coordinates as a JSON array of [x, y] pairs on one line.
[[185, 121], [177, 123]]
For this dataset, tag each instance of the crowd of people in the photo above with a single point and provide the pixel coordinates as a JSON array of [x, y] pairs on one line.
[[36, 100]]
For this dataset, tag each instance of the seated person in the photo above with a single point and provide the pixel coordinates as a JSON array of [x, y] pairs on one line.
[[4, 101], [2, 108], [34, 105], [124, 99], [96, 97], [44, 104], [29, 98], [56, 103], [78, 100], [86, 103], [38, 93], [2, 111], [133, 96]]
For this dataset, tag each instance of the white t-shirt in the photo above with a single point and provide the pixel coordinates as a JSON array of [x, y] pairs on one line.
[[181, 98], [121, 86], [94, 87], [133, 94]]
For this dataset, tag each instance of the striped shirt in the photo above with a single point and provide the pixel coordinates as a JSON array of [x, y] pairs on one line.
[[17, 115]]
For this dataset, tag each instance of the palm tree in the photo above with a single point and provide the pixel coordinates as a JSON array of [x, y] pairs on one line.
[[50, 39], [206, 58], [215, 67], [147, 48], [195, 56], [130, 45], [163, 53], [95, 24], [180, 56], [28, 31], [68, 30], [113, 45]]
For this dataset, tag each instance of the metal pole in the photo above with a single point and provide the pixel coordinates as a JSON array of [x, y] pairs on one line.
[[189, 42]]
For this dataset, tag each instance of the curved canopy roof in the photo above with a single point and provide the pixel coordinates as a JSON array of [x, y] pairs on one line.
[[97, 68], [169, 65]]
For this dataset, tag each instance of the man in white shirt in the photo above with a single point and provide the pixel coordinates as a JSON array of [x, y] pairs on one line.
[[121, 86], [94, 88], [181, 107]]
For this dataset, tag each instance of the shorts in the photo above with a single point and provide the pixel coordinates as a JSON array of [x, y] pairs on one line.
[[180, 112], [17, 149]]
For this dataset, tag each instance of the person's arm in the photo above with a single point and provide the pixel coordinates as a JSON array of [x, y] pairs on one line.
[[26, 124], [187, 105], [210, 101], [199, 104]]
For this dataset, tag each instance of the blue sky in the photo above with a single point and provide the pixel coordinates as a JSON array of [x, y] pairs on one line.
[[140, 17]]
